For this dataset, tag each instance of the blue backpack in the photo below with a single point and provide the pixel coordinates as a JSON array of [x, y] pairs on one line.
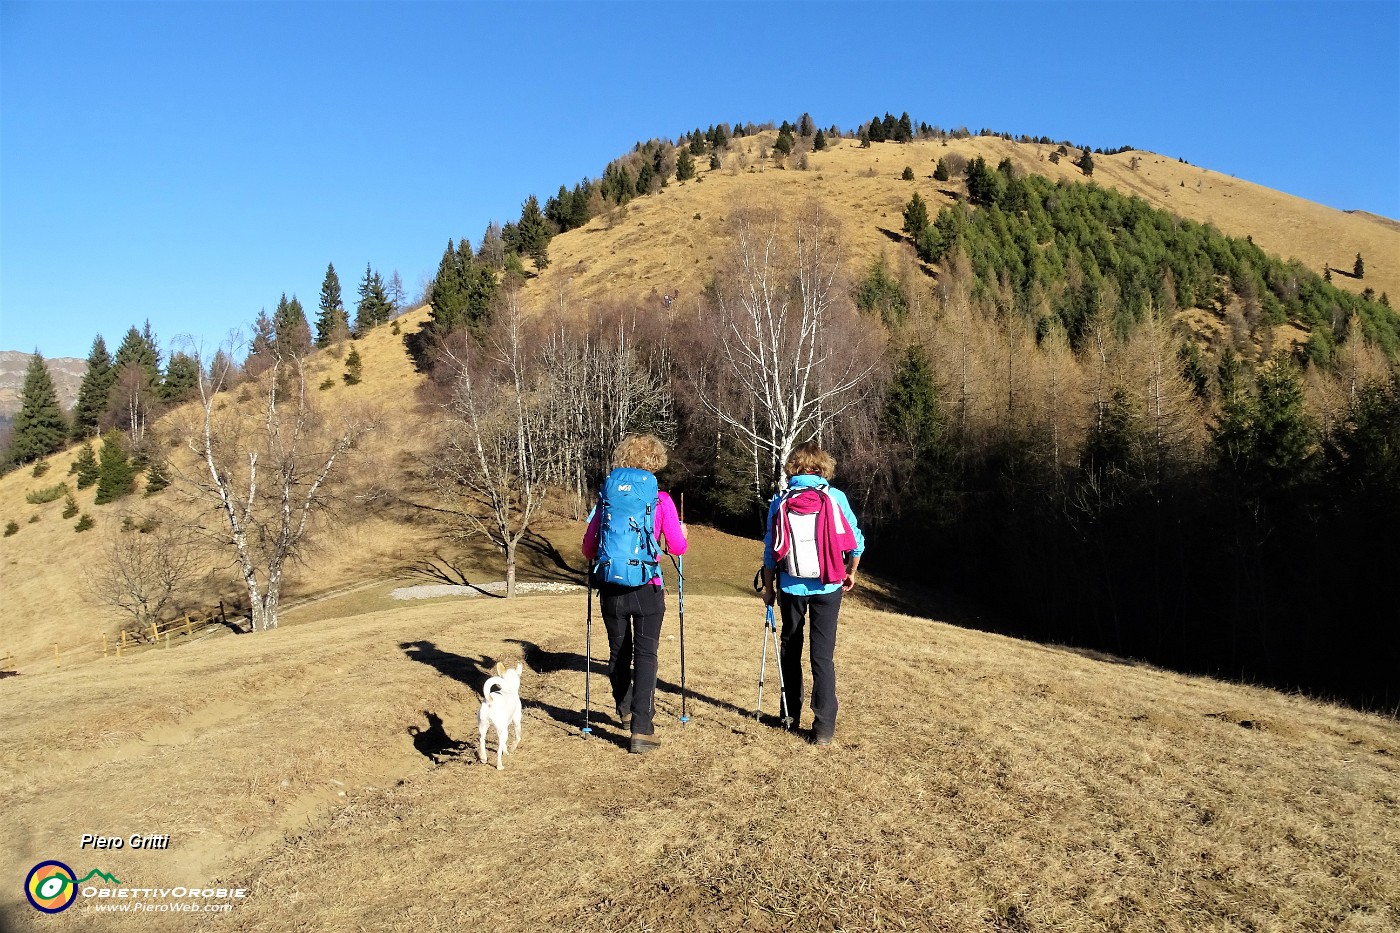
[[627, 551]]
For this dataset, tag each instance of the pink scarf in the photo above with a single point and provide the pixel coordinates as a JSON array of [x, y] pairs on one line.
[[834, 535]]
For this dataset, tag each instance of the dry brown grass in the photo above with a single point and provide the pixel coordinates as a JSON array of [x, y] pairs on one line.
[[977, 783]]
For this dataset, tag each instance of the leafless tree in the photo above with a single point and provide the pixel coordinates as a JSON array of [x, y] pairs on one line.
[[143, 569], [791, 354], [493, 461], [270, 468]]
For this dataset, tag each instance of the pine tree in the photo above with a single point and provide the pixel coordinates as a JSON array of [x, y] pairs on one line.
[[262, 350], [715, 162], [181, 378], [915, 217], [1086, 163], [293, 334], [804, 125], [39, 427], [332, 323], [94, 392], [819, 141], [876, 131], [1359, 269], [492, 251], [86, 466], [685, 166], [156, 477], [446, 294], [940, 171], [908, 174], [904, 131], [783, 144], [138, 348], [354, 368], [534, 233], [983, 185], [373, 307], [115, 474]]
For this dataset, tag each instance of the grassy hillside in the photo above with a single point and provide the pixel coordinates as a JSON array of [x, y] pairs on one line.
[[668, 242], [977, 783]]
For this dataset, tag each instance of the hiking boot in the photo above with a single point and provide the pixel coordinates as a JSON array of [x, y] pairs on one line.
[[822, 734], [624, 718], [641, 744]]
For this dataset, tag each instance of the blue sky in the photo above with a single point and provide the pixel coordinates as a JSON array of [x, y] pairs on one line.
[[188, 163]]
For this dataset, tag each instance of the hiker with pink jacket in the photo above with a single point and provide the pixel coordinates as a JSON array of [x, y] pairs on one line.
[[811, 548]]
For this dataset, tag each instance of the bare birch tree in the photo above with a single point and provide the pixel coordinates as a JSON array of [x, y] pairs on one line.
[[270, 468], [790, 356]]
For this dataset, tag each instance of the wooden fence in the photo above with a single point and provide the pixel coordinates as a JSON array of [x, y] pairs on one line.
[[156, 635]]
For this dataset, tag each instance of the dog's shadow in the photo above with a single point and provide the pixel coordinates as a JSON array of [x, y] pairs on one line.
[[434, 744]]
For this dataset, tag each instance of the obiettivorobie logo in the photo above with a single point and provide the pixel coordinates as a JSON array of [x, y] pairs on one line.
[[52, 886]]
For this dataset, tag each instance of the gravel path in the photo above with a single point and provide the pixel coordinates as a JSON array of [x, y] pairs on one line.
[[432, 591]]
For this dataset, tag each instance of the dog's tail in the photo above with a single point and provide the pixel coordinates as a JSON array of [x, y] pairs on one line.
[[497, 682]]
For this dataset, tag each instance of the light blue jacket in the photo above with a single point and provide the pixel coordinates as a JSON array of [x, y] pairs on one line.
[[802, 586]]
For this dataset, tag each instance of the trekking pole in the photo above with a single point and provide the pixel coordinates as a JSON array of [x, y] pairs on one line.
[[587, 658], [680, 602], [770, 630]]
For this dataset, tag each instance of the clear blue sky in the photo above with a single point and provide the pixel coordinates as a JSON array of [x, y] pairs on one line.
[[187, 163]]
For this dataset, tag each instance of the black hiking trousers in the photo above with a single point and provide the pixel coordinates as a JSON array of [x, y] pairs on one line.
[[820, 611], [633, 617]]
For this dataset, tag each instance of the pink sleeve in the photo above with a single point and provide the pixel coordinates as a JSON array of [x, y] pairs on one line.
[[590, 537], [668, 525]]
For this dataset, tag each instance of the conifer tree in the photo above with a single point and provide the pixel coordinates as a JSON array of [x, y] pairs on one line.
[[354, 368], [715, 161], [492, 251], [293, 334], [445, 294], [804, 125], [783, 143], [534, 233], [876, 131], [115, 474], [373, 307], [181, 378], [138, 348], [332, 323], [156, 476], [85, 466], [819, 141], [39, 427], [908, 173], [94, 392], [940, 171], [1359, 269], [915, 217], [904, 130], [262, 350], [1086, 163], [685, 166]]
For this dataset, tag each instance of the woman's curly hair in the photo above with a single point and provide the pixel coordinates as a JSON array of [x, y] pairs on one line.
[[640, 451], [809, 459]]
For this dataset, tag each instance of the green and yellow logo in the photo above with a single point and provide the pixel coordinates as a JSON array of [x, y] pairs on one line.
[[52, 886]]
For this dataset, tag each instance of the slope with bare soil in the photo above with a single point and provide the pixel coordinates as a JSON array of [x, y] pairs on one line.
[[977, 783]]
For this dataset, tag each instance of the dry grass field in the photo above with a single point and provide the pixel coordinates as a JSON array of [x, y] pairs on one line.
[[977, 783]]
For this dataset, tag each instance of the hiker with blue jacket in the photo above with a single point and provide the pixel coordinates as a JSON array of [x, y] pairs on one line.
[[632, 523], [812, 546]]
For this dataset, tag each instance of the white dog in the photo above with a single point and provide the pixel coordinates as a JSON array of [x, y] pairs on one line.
[[500, 707]]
